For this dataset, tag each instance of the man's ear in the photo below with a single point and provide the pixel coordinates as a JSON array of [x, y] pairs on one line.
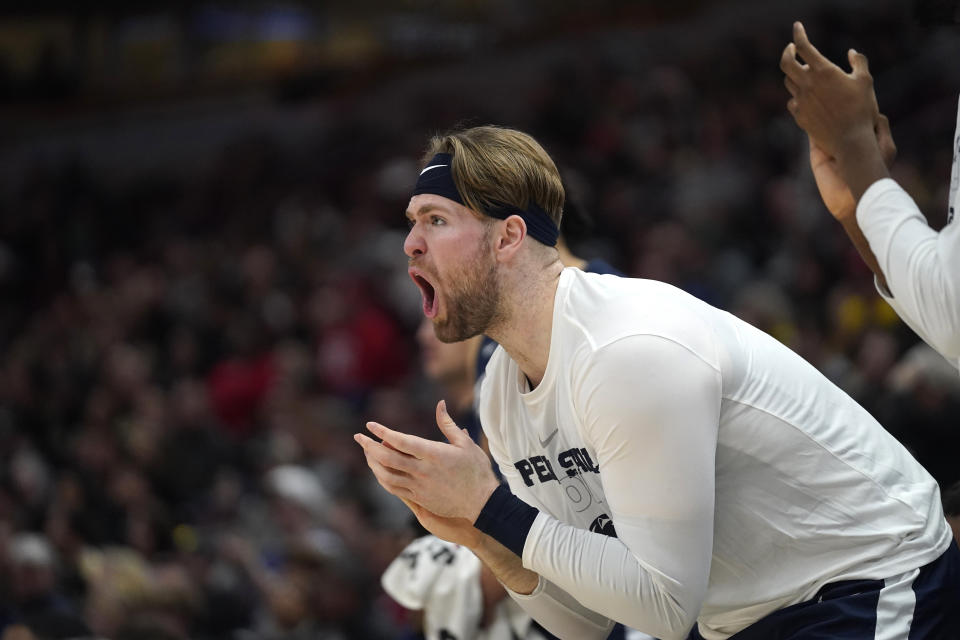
[[512, 232]]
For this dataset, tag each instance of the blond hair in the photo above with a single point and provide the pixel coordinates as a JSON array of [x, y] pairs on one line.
[[495, 166]]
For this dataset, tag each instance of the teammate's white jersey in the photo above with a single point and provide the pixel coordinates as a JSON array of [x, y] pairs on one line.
[[736, 478], [443, 580], [922, 267]]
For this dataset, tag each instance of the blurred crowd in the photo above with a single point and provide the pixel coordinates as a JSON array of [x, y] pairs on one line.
[[185, 360]]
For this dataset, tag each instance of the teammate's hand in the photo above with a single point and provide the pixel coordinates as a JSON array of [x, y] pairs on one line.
[[837, 109], [450, 480], [834, 191]]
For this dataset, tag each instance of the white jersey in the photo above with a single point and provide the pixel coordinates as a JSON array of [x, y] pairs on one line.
[[736, 478], [922, 267], [443, 580]]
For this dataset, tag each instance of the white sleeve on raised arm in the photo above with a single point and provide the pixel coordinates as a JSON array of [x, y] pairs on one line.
[[922, 267], [651, 410]]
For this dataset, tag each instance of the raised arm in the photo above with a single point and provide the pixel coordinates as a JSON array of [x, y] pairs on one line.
[[917, 269], [816, 88], [839, 201]]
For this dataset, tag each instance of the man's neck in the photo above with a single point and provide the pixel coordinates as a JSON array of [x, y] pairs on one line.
[[527, 324]]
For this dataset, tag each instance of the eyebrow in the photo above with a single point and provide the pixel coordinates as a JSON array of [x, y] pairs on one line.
[[427, 208]]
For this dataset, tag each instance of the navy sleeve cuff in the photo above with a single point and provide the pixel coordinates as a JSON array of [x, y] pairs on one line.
[[507, 519]]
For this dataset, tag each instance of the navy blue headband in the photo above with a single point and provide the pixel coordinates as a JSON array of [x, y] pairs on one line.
[[436, 178]]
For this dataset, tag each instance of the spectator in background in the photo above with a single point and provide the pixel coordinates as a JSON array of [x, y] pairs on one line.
[[35, 598], [129, 595]]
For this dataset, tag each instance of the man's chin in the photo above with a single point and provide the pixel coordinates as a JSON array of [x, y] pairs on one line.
[[448, 334]]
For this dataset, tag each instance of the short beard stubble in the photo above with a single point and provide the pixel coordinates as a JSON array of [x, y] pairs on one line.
[[472, 297]]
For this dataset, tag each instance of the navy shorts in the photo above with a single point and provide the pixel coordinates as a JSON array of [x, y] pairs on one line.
[[923, 604]]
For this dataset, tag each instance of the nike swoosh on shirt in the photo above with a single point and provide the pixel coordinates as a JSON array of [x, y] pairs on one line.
[[550, 437], [433, 166]]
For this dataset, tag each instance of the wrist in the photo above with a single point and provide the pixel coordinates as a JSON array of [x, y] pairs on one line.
[[507, 519], [474, 540], [860, 162], [846, 216], [483, 496], [856, 144], [506, 567]]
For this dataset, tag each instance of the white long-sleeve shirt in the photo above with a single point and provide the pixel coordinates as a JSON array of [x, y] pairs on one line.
[[922, 267], [736, 478]]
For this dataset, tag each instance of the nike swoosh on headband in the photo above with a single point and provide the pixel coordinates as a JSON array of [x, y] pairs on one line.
[[433, 166]]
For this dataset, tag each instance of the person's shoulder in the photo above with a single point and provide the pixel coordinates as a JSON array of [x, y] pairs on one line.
[[602, 310], [610, 305]]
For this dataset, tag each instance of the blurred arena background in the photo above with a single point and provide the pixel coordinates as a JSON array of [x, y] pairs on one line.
[[203, 285]]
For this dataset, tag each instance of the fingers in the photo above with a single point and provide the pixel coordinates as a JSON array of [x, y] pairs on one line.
[[402, 442], [791, 86], [882, 127], [858, 62], [789, 64], [806, 49], [387, 456], [394, 481], [792, 107], [447, 426], [793, 74]]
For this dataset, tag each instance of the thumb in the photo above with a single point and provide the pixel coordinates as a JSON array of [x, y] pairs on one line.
[[447, 426], [858, 62]]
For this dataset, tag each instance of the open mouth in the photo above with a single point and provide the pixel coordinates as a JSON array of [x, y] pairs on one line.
[[430, 303]]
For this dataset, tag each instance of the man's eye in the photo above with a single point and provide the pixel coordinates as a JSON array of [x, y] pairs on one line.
[[435, 220]]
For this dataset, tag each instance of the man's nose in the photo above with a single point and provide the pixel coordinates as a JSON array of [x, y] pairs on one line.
[[413, 245]]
